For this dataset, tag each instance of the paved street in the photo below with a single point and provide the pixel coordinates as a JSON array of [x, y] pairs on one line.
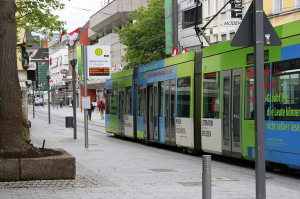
[[122, 168]]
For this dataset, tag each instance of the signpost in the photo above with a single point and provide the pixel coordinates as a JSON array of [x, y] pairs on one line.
[[98, 62], [257, 30]]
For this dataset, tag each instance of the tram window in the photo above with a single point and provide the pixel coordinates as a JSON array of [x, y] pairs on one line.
[[183, 97], [249, 90], [285, 103], [108, 98], [140, 102], [161, 90], [114, 101], [211, 95], [249, 93], [128, 100]]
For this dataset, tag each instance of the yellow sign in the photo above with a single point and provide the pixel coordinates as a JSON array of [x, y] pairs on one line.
[[98, 51]]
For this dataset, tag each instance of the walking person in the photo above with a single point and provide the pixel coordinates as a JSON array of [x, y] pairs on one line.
[[26, 124], [90, 111], [101, 107]]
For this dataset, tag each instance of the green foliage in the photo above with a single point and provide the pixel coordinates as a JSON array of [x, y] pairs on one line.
[[91, 42], [144, 39], [36, 16], [97, 38]]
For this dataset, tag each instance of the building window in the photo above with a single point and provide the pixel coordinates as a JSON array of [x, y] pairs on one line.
[[297, 3], [223, 37], [231, 35], [208, 7], [277, 6], [189, 17], [216, 38]]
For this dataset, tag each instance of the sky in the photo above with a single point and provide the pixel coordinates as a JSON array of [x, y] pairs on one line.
[[77, 12]]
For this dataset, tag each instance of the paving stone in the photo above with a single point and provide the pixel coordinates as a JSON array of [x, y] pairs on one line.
[[112, 166]]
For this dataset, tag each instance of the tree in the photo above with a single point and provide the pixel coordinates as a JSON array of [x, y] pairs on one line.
[[144, 39], [32, 15], [97, 38]]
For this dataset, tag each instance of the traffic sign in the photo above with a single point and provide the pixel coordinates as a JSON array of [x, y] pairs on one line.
[[56, 92]]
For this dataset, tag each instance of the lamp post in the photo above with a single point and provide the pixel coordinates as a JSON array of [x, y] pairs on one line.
[[48, 77], [73, 63]]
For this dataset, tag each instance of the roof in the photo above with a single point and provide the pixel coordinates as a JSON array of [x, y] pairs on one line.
[[41, 53]]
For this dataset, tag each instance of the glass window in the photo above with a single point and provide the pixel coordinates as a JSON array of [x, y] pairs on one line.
[[277, 6], [108, 102], [250, 92], [189, 17], [285, 97], [114, 101], [211, 95], [128, 97], [223, 37], [183, 97], [231, 35], [161, 85]]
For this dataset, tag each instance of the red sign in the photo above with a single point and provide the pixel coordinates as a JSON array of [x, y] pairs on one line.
[[56, 92]]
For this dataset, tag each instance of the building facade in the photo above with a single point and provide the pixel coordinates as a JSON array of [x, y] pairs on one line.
[[278, 11], [103, 22]]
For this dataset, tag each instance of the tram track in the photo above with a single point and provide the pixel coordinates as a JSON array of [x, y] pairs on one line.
[[60, 121]]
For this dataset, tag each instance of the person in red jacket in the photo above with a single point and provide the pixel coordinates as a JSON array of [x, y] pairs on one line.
[[101, 107]]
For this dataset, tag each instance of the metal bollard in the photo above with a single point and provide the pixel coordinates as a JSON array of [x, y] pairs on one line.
[[206, 177]]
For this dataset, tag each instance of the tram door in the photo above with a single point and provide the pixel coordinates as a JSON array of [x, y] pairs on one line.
[[121, 112], [170, 134], [155, 110], [151, 113], [144, 111], [232, 112]]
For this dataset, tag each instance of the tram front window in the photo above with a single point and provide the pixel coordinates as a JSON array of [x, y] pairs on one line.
[[211, 95]]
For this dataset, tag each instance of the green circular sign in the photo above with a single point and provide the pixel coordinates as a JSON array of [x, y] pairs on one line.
[[98, 51]]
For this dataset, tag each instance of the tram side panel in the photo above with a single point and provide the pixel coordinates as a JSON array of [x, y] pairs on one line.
[[165, 101], [119, 104]]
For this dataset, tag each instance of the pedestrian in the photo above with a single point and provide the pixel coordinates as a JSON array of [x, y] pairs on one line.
[[26, 124], [101, 107], [60, 104], [90, 111]]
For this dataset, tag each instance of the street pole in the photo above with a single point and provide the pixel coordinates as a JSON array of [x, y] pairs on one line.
[[85, 94], [33, 98], [260, 164], [39, 94], [48, 77], [73, 63]]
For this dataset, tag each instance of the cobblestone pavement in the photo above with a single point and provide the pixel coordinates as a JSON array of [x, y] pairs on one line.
[[122, 168]]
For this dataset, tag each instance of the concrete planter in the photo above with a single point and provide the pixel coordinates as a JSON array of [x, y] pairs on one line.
[[45, 168]]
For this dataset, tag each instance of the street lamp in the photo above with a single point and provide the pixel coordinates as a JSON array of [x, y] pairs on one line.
[[73, 63], [48, 77]]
